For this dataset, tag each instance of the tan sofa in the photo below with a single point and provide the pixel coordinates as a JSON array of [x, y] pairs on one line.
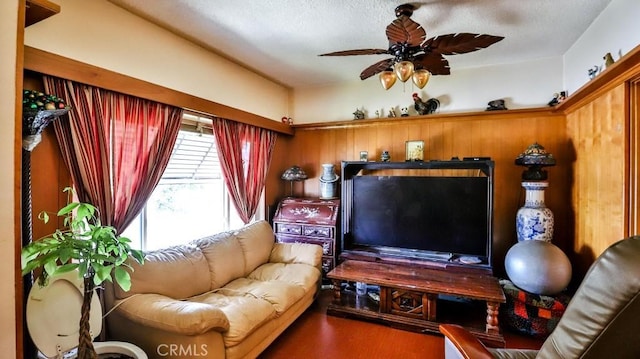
[[225, 296]]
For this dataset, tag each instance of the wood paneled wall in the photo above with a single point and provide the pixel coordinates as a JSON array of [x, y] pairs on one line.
[[598, 131], [634, 157], [499, 135]]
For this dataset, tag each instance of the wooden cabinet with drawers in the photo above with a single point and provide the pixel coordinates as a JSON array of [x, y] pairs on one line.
[[309, 220]]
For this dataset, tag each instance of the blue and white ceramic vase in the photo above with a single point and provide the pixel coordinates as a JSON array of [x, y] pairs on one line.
[[534, 221]]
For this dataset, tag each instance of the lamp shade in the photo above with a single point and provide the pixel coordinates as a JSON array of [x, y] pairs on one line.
[[404, 70], [294, 173], [387, 79], [535, 158], [421, 77]]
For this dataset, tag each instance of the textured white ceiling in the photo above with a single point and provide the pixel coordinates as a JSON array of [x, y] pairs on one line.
[[282, 39]]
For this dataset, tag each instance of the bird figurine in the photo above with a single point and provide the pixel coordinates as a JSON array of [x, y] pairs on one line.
[[425, 107], [496, 105], [608, 60]]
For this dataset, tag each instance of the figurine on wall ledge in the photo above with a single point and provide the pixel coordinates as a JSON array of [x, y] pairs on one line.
[[558, 98], [608, 60], [404, 112], [385, 156], [496, 105], [358, 114], [425, 107], [593, 72], [392, 112]]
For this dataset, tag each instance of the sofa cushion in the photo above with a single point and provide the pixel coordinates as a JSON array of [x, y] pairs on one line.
[[280, 294], [225, 258], [244, 312], [256, 240], [176, 272], [234, 254], [298, 274], [177, 316], [306, 253]]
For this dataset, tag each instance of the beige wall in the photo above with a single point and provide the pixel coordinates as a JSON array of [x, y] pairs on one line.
[[615, 30], [99, 33], [8, 33], [522, 85]]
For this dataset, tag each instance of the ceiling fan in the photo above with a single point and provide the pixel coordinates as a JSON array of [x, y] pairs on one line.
[[413, 55]]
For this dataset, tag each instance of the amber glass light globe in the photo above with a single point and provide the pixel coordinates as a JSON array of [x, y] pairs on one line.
[[387, 79], [421, 77], [404, 70]]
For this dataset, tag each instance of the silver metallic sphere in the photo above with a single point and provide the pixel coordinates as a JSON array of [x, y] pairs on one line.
[[538, 267]]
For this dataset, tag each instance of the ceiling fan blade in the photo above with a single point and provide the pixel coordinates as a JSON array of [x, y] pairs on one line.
[[460, 43], [434, 62], [376, 68], [357, 52], [404, 30]]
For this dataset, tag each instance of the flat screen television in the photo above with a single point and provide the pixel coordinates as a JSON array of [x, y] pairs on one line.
[[426, 217]]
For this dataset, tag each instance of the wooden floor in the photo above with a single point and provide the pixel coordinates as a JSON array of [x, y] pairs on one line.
[[316, 335]]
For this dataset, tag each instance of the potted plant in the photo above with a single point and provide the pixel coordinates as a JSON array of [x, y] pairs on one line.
[[83, 244]]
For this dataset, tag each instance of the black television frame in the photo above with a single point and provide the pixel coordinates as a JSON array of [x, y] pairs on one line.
[[479, 167]]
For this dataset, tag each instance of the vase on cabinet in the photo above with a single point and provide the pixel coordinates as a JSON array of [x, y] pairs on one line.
[[534, 221], [328, 182]]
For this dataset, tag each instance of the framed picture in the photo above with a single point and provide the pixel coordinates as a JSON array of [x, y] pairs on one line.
[[364, 156], [414, 150]]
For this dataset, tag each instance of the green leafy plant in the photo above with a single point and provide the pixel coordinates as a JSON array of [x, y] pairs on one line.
[[86, 246]]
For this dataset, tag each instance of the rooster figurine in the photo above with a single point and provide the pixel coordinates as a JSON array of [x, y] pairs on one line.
[[425, 107]]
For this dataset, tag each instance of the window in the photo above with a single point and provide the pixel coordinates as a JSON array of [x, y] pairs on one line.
[[191, 200]]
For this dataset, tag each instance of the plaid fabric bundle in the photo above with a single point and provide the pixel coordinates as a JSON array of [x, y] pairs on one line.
[[531, 314]]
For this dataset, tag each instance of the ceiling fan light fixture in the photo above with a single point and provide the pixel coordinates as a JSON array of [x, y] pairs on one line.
[[404, 70], [421, 77], [387, 79], [410, 50]]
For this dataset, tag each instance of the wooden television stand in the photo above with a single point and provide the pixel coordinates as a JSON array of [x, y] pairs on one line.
[[419, 299]]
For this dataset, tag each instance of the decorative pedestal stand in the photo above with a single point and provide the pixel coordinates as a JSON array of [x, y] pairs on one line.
[[534, 264], [33, 123]]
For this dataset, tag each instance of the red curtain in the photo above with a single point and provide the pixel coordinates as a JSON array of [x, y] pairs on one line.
[[245, 154], [115, 146]]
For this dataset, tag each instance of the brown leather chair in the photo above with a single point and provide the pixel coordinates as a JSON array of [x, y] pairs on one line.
[[601, 321]]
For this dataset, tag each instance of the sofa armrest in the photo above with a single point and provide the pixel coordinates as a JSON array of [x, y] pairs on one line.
[[305, 253], [461, 344], [172, 315]]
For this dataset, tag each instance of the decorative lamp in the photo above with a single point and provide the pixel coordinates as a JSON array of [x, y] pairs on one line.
[[293, 174], [535, 158], [534, 264], [534, 220]]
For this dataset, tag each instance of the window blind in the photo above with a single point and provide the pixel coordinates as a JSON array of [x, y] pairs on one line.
[[194, 159]]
